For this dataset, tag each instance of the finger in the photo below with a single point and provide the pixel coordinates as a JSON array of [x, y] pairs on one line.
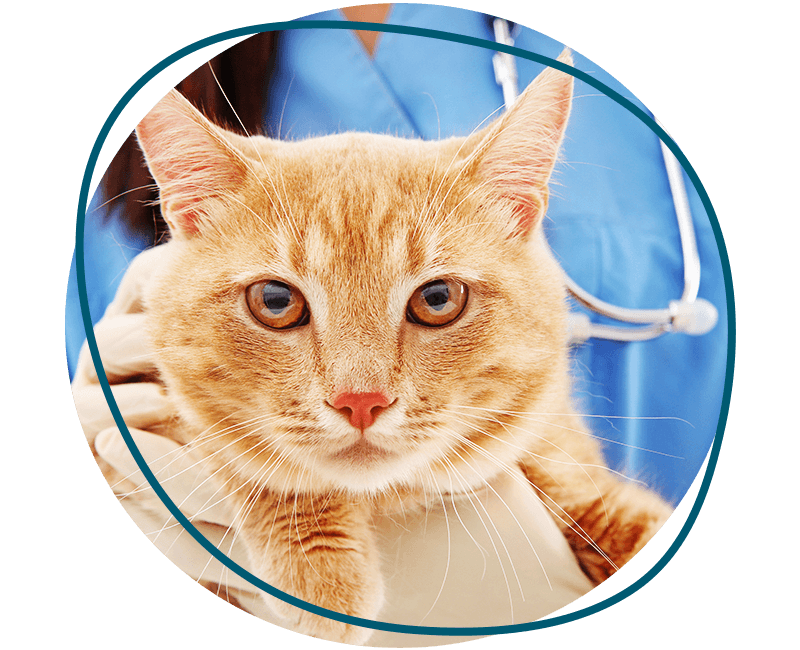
[[180, 547], [180, 474], [127, 302], [143, 267], [142, 405], [124, 349]]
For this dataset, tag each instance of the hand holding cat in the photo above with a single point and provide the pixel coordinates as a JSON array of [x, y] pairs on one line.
[[122, 341]]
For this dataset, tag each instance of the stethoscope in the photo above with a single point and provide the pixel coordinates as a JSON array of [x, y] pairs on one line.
[[689, 314]]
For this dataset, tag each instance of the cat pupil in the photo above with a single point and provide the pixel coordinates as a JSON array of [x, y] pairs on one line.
[[277, 297], [437, 295]]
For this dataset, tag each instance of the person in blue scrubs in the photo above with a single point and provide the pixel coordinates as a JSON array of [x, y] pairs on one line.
[[611, 220]]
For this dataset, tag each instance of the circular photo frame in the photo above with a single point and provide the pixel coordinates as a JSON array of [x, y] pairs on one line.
[[412, 367]]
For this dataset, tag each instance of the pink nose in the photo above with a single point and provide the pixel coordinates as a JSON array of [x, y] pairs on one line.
[[360, 408]]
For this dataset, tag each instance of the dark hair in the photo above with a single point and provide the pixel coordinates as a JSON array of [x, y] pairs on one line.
[[241, 75]]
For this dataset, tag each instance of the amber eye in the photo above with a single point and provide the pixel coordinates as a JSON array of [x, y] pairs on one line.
[[277, 305], [437, 303]]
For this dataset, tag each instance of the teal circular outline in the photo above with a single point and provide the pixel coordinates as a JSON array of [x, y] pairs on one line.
[[455, 38]]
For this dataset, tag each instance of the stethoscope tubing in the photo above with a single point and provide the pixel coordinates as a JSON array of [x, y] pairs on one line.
[[689, 314]]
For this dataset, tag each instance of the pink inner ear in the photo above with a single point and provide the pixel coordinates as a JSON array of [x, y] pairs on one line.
[[520, 179], [189, 186], [190, 161], [184, 218], [520, 151], [526, 216]]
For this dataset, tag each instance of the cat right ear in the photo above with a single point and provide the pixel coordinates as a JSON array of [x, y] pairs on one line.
[[517, 154], [190, 159]]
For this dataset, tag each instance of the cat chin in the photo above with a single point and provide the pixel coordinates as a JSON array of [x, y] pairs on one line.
[[365, 470], [361, 478], [362, 453]]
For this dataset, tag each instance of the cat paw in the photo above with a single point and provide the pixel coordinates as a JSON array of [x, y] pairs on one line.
[[363, 605], [619, 526], [321, 551], [362, 600], [330, 630]]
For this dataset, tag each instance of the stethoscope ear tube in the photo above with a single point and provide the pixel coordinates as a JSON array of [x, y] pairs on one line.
[[689, 314]]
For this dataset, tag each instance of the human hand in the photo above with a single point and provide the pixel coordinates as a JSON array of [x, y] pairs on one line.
[[122, 342]]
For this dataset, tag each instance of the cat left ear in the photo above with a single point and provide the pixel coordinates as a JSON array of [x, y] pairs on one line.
[[190, 159], [518, 153]]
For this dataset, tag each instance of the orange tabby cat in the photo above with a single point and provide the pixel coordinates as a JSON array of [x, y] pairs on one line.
[[355, 319]]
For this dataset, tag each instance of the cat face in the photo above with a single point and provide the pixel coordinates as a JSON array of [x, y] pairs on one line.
[[335, 311]]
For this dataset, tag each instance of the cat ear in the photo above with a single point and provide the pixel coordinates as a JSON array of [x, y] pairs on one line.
[[518, 153], [190, 159]]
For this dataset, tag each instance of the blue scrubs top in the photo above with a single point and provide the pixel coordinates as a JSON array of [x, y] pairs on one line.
[[611, 221]]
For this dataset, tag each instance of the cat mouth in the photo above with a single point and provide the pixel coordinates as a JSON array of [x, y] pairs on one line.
[[361, 453]]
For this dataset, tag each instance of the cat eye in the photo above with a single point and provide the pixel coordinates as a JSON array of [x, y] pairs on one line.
[[277, 305], [437, 303]]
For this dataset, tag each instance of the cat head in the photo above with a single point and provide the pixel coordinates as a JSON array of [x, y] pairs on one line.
[[359, 311]]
